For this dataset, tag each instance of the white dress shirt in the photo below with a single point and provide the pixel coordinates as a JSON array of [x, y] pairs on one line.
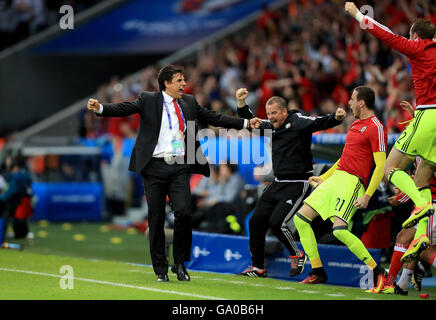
[[163, 147]]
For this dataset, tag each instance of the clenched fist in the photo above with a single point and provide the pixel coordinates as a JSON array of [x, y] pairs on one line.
[[255, 123], [315, 181], [340, 114], [93, 105], [351, 8], [240, 95]]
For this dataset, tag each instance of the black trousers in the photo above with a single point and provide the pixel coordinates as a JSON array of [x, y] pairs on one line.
[[274, 209], [161, 179]]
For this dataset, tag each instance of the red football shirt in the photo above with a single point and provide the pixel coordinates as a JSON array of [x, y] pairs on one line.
[[422, 58], [363, 139]]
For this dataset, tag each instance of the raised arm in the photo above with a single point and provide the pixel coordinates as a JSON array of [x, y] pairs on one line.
[[405, 46], [219, 120], [245, 112]]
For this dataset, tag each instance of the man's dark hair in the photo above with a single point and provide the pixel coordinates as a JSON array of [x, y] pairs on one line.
[[167, 73], [423, 28], [366, 94]]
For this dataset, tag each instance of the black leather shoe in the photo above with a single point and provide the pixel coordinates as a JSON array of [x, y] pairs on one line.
[[180, 270], [162, 278]]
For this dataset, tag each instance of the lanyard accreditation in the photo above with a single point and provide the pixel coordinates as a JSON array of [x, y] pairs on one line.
[[169, 117], [177, 142]]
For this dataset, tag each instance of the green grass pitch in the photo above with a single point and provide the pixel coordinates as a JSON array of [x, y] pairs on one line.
[[109, 264]]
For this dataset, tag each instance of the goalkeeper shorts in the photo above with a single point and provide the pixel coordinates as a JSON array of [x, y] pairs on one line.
[[335, 197], [419, 138]]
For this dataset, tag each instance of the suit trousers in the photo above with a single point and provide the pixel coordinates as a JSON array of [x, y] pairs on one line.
[[161, 179]]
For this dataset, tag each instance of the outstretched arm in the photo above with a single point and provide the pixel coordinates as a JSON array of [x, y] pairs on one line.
[[312, 124], [122, 109], [407, 47]]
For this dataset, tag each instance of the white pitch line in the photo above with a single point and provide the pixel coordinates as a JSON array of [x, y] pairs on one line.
[[308, 291], [335, 295], [116, 284]]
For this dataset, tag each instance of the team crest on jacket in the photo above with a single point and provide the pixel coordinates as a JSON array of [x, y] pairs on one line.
[[288, 125], [363, 129]]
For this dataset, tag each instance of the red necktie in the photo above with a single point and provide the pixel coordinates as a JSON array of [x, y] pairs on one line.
[[179, 116]]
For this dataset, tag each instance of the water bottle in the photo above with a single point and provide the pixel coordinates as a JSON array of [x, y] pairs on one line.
[[30, 238], [12, 246]]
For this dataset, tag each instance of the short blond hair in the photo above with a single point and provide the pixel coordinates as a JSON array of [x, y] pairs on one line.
[[279, 100]]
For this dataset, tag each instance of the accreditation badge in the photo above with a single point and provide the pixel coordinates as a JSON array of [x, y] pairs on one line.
[[178, 144]]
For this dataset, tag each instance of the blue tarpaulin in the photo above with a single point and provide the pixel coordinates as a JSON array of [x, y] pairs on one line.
[[151, 27]]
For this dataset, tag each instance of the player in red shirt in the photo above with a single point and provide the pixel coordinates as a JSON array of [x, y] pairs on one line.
[[341, 190], [419, 138]]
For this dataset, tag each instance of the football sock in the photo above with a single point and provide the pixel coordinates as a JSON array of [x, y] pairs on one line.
[[319, 272], [421, 227], [355, 245], [396, 263], [432, 260], [405, 183], [405, 278], [426, 193], [307, 239]]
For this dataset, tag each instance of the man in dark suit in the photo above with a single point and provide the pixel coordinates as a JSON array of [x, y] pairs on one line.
[[165, 157]]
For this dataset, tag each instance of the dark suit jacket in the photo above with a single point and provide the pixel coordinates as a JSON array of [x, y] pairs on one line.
[[149, 105]]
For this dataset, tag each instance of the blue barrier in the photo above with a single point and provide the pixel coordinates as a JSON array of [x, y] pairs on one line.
[[339, 138], [2, 225], [342, 266], [230, 254], [219, 252], [68, 201]]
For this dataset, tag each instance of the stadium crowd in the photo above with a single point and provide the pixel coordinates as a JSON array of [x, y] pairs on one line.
[[307, 53], [20, 19]]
